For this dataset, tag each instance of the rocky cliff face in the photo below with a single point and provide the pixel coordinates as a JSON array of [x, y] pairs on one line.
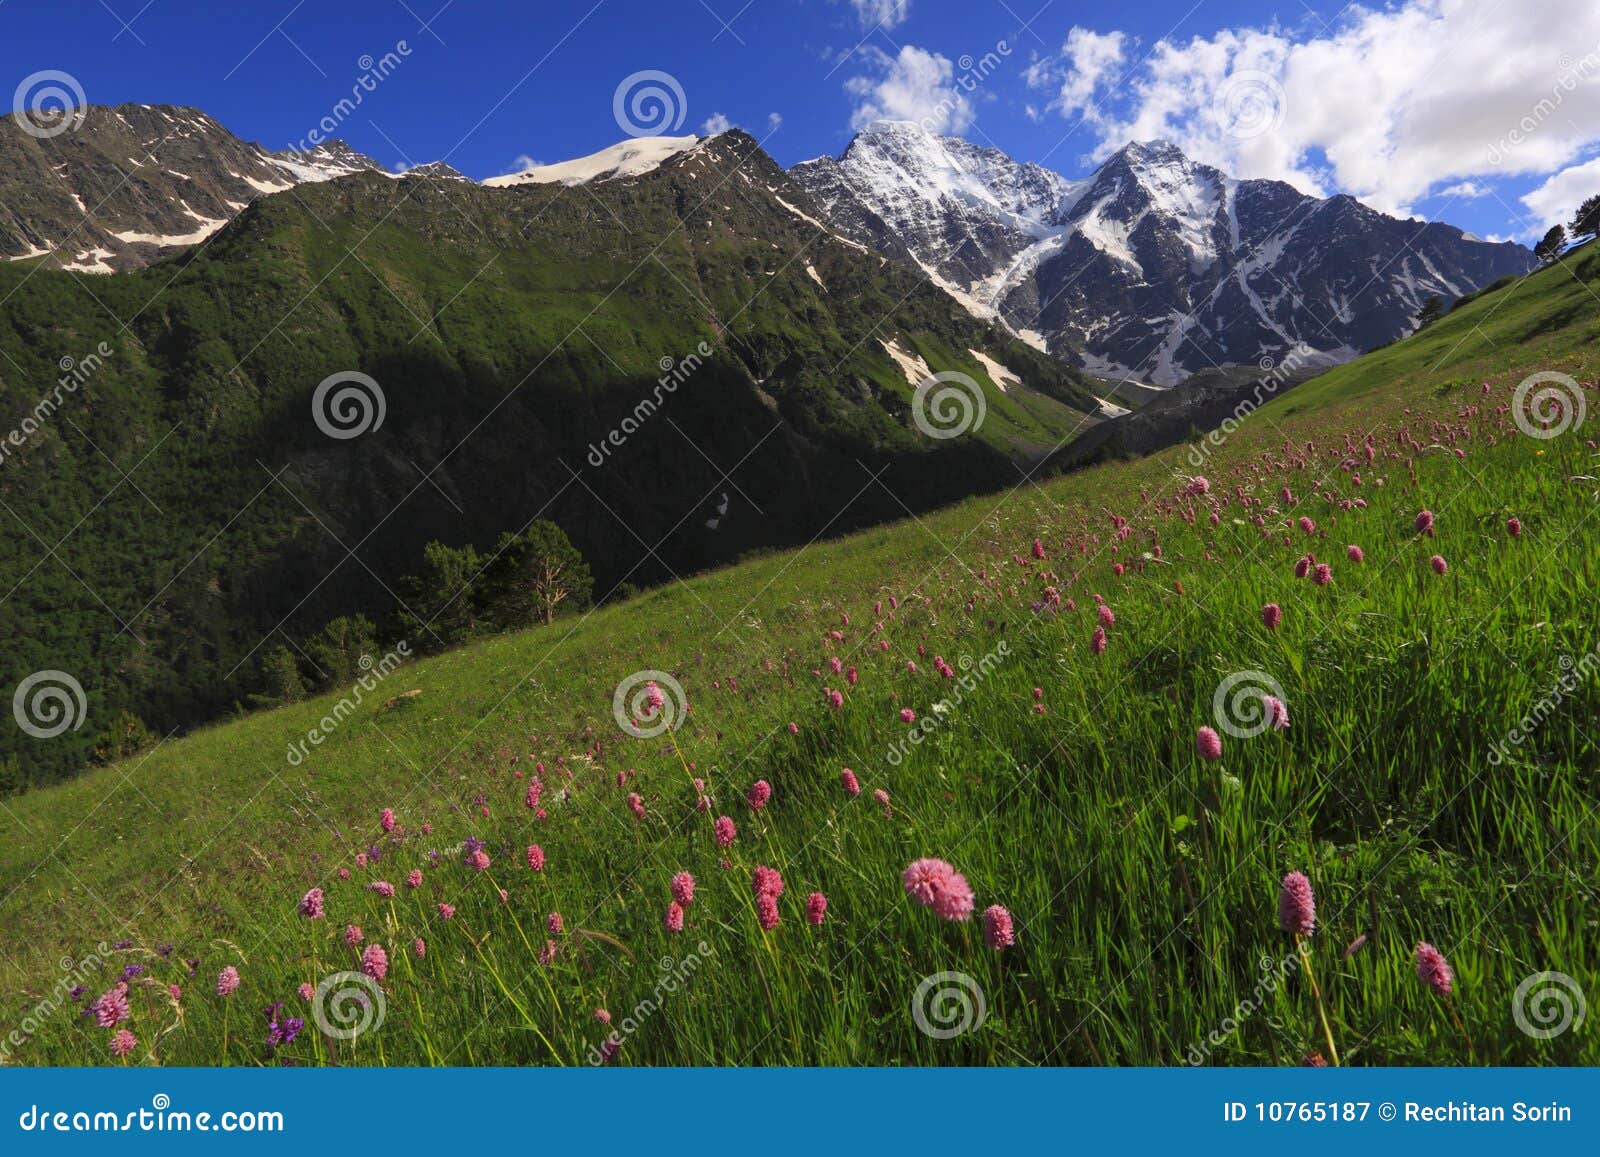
[[1155, 266]]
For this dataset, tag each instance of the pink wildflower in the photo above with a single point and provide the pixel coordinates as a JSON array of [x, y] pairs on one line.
[[683, 888], [816, 908], [1208, 743], [228, 981], [1354, 553], [1272, 615], [353, 935], [414, 878], [997, 928], [767, 912], [674, 919], [1323, 575], [1424, 523], [311, 904], [307, 991], [852, 786], [536, 857], [1297, 908], [1438, 564], [111, 1008], [375, 961], [760, 793], [447, 912], [1433, 969], [123, 1043], [767, 881], [386, 819], [724, 831], [555, 924]]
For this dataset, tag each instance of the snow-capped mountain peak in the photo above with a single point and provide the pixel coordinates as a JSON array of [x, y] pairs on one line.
[[1155, 265], [628, 158]]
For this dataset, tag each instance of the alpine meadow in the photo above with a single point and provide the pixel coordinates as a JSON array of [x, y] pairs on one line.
[[963, 599]]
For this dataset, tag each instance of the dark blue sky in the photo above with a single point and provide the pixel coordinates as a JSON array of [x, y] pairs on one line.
[[486, 82]]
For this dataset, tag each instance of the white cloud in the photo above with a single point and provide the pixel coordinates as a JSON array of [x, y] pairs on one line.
[[1555, 201], [1466, 191], [888, 13], [917, 86], [1387, 105], [774, 121], [716, 123], [522, 164]]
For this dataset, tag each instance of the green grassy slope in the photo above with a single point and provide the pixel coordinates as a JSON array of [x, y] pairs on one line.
[[191, 504], [1142, 879]]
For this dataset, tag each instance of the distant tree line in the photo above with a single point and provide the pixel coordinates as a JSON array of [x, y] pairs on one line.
[[530, 578]]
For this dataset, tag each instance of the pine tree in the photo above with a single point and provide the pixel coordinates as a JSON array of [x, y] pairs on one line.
[[440, 605], [1552, 245], [534, 574], [1432, 310], [1586, 221]]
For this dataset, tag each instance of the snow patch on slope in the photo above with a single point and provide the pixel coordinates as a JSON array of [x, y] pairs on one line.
[[628, 158]]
